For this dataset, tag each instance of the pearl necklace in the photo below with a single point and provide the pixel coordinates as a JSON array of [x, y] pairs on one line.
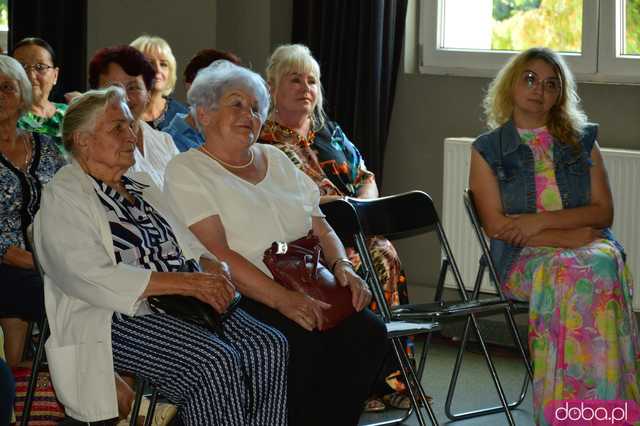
[[224, 163]]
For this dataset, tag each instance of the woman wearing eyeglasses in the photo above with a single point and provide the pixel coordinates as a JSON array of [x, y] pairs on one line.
[[127, 67], [544, 200], [38, 59], [28, 160]]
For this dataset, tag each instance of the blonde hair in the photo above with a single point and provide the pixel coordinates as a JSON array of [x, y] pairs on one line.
[[82, 114], [295, 58], [147, 44], [566, 120]]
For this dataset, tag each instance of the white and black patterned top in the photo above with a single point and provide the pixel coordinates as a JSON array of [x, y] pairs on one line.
[[141, 236], [20, 191]]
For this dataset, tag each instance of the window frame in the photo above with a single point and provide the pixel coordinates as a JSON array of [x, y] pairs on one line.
[[599, 61]]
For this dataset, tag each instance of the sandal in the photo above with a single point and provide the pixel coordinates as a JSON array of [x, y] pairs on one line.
[[374, 405], [162, 415], [400, 400]]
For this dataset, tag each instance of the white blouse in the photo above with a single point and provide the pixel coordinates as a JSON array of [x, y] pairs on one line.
[[278, 208], [159, 149]]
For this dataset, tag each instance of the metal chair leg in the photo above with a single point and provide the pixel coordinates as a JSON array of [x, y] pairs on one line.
[[505, 406], [140, 383], [35, 369], [152, 408]]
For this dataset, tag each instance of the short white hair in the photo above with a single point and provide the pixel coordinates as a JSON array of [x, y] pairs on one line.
[[83, 111], [214, 81], [15, 71]]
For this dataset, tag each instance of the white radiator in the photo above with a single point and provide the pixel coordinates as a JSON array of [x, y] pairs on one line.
[[623, 167]]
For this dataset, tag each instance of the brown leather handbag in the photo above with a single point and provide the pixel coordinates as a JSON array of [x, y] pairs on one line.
[[300, 266]]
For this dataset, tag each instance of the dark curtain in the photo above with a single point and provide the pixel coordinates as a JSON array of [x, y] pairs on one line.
[[63, 24], [358, 44]]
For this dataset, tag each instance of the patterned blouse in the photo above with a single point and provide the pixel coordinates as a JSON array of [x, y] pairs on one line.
[[172, 107], [51, 127], [20, 192], [141, 236], [328, 157]]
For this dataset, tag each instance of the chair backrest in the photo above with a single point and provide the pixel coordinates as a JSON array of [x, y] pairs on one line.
[[342, 217], [405, 215], [474, 218], [397, 216]]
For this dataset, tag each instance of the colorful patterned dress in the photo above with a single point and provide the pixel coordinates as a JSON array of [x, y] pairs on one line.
[[583, 334], [331, 160], [51, 126]]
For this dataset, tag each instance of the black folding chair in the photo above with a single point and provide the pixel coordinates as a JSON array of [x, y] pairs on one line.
[[413, 213], [39, 361], [514, 307], [343, 218]]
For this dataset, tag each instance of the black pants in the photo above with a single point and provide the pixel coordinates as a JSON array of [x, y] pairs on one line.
[[21, 293], [330, 372]]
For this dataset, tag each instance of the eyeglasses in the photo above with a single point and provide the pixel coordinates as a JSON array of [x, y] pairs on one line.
[[239, 105], [39, 68], [129, 87], [8, 88], [550, 85]]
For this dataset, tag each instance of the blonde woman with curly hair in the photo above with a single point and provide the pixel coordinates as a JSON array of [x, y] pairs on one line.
[[543, 197], [161, 107]]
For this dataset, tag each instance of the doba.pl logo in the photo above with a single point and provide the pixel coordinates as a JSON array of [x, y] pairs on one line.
[[592, 412]]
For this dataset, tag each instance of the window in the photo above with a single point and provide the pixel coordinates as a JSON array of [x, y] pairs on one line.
[[4, 26], [600, 39]]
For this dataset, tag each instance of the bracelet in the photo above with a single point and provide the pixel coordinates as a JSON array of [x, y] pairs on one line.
[[341, 260]]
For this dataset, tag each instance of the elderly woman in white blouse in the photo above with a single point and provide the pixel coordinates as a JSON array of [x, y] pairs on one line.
[[106, 243], [237, 197]]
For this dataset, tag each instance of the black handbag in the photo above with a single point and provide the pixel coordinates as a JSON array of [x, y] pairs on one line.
[[189, 308]]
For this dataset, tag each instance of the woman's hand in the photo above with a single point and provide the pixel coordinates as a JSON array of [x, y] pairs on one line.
[[302, 309], [580, 237], [518, 229], [360, 294], [18, 257], [214, 289]]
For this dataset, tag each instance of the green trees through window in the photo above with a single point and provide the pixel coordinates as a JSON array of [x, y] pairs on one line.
[[520, 24], [632, 22]]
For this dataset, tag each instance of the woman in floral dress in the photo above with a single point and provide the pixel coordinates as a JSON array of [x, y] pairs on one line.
[[544, 200]]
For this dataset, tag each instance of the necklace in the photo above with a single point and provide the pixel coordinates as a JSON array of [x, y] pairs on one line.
[[224, 163], [27, 152]]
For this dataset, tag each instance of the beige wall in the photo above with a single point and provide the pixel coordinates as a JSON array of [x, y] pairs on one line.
[[249, 28], [252, 29], [187, 26], [427, 109]]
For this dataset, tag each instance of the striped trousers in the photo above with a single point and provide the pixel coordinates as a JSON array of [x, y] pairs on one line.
[[238, 380]]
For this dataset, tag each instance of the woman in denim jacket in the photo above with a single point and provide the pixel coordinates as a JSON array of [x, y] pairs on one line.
[[544, 200]]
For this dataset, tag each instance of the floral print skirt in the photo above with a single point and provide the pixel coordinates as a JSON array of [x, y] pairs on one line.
[[583, 334]]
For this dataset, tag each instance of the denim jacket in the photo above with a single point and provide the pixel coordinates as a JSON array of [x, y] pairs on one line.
[[512, 163]]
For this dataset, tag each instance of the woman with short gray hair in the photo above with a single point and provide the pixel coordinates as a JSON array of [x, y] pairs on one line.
[[238, 197], [107, 241], [27, 162]]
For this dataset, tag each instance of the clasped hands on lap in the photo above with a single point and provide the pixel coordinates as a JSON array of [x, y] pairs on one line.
[[536, 230], [213, 287]]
